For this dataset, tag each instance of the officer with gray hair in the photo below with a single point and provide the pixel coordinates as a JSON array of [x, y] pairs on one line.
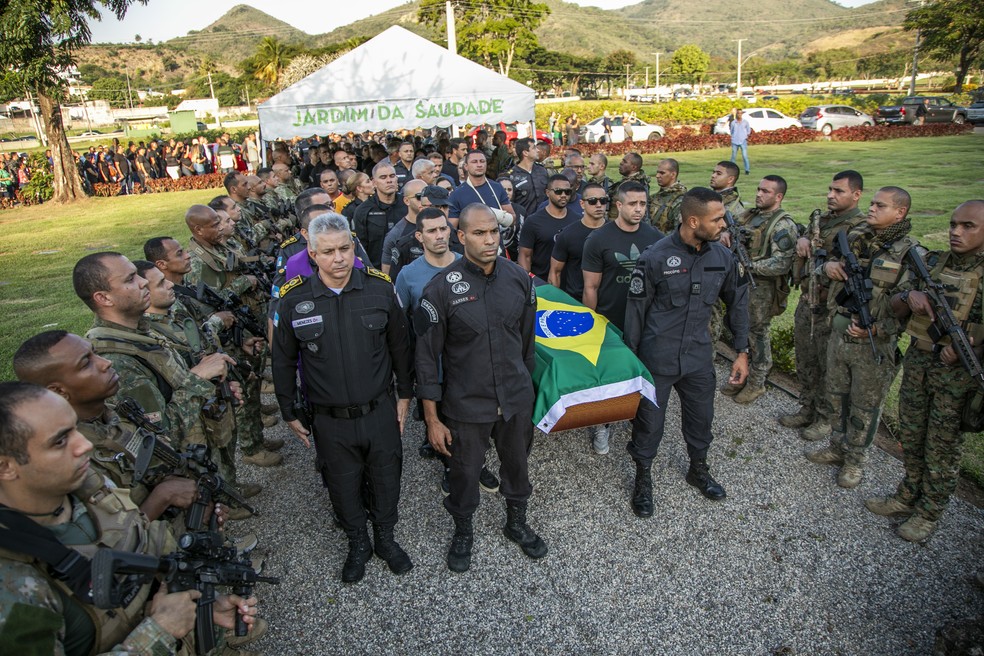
[[350, 332]]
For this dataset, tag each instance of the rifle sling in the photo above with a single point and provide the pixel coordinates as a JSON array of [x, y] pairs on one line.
[[22, 535]]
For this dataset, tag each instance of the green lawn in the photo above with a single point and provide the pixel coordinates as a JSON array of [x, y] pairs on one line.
[[36, 290]]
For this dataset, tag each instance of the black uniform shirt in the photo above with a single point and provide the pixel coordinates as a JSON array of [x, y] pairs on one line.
[[372, 220], [671, 294], [350, 344], [480, 330]]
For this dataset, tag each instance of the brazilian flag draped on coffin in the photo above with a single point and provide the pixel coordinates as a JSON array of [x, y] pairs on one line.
[[585, 374]]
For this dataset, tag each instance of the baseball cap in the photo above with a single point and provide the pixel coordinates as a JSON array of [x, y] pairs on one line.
[[436, 195]]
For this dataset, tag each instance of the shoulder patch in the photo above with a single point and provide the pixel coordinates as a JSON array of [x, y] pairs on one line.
[[287, 242], [375, 273], [290, 284]]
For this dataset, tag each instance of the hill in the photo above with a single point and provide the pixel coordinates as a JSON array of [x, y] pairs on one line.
[[237, 33]]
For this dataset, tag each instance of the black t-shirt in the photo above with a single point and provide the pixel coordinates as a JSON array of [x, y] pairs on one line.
[[122, 164], [568, 248], [613, 253], [538, 233]]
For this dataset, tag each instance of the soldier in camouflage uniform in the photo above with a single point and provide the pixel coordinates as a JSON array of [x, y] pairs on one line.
[[253, 216], [664, 205], [41, 613], [811, 331], [724, 180], [67, 365], [150, 370], [597, 167], [770, 238], [936, 388], [857, 379], [209, 259], [631, 169]]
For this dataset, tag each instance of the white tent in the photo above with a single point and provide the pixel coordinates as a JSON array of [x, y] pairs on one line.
[[396, 80]]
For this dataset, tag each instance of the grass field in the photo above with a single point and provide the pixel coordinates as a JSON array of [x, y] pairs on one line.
[[40, 245]]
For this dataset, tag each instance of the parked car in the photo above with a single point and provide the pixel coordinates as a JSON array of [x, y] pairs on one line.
[[511, 133], [827, 118], [91, 133], [762, 119], [939, 110], [975, 113], [770, 97], [594, 132]]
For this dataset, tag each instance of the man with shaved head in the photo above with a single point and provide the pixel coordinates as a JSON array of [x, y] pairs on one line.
[[664, 205], [210, 264], [937, 391], [631, 169], [862, 363]]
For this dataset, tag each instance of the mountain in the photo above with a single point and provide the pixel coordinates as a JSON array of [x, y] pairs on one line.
[[237, 33]]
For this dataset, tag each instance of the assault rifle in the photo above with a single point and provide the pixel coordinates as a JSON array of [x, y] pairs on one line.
[[818, 254], [201, 563], [738, 244], [194, 462], [944, 323], [233, 304], [856, 294], [252, 266]]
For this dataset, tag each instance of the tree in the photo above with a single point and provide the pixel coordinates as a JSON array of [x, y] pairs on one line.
[[491, 32], [690, 63], [834, 64], [272, 58], [138, 38], [951, 29], [41, 40], [111, 89]]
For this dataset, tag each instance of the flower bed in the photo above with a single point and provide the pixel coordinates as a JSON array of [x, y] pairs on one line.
[[207, 181]]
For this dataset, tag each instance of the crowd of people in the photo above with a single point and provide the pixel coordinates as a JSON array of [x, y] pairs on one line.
[[370, 283]]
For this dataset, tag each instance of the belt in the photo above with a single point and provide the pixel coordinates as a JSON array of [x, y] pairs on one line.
[[927, 347], [348, 411]]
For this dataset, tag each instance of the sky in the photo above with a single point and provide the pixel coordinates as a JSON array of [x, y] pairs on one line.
[[161, 20]]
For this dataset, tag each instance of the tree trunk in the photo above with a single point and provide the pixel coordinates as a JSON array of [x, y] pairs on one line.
[[67, 184]]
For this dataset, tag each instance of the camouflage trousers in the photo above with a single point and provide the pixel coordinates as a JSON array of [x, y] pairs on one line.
[[930, 403], [811, 358], [249, 431], [856, 389], [760, 304]]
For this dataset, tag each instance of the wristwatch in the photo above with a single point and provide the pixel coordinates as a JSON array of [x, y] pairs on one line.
[[744, 350], [904, 296]]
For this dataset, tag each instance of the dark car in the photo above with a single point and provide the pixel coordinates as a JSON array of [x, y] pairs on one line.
[[938, 110], [975, 113]]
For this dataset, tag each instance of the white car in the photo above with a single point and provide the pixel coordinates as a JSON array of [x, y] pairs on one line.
[[594, 132], [762, 119]]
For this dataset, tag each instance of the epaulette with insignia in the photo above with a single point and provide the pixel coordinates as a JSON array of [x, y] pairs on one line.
[[290, 284], [287, 242], [376, 273]]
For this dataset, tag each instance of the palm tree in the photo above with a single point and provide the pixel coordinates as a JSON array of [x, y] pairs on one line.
[[271, 59]]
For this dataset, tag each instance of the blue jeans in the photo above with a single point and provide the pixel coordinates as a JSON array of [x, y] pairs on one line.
[[744, 154]]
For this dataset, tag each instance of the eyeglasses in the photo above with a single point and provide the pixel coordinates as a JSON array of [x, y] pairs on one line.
[[562, 192], [601, 200], [581, 167]]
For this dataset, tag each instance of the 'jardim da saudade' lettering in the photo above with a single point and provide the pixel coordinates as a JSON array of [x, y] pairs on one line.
[[421, 110]]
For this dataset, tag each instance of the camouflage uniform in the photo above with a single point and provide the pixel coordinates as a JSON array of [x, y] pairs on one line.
[[931, 401], [109, 435], [772, 247], [857, 382], [811, 331], [170, 394], [37, 611], [638, 176], [208, 265], [602, 180], [733, 204], [664, 207], [186, 338]]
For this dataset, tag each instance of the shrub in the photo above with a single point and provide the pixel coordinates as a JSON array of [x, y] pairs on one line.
[[783, 349], [207, 181]]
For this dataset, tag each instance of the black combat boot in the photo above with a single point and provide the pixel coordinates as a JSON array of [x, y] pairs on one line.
[[459, 555], [360, 551], [700, 478], [386, 548], [642, 495], [517, 530]]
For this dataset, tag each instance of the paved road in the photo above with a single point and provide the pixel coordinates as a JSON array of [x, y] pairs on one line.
[[790, 561]]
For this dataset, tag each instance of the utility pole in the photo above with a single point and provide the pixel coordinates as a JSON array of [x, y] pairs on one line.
[[248, 105], [626, 94], [915, 57], [452, 35], [647, 80], [657, 73], [129, 93], [738, 86]]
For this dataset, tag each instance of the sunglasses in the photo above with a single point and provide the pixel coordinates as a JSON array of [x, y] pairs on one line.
[[562, 192], [603, 200]]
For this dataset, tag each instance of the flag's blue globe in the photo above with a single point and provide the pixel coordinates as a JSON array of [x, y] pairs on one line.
[[563, 323]]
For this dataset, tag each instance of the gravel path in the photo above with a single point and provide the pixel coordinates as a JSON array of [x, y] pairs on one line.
[[789, 563]]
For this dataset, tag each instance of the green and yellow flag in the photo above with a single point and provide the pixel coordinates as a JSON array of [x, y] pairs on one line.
[[585, 374]]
